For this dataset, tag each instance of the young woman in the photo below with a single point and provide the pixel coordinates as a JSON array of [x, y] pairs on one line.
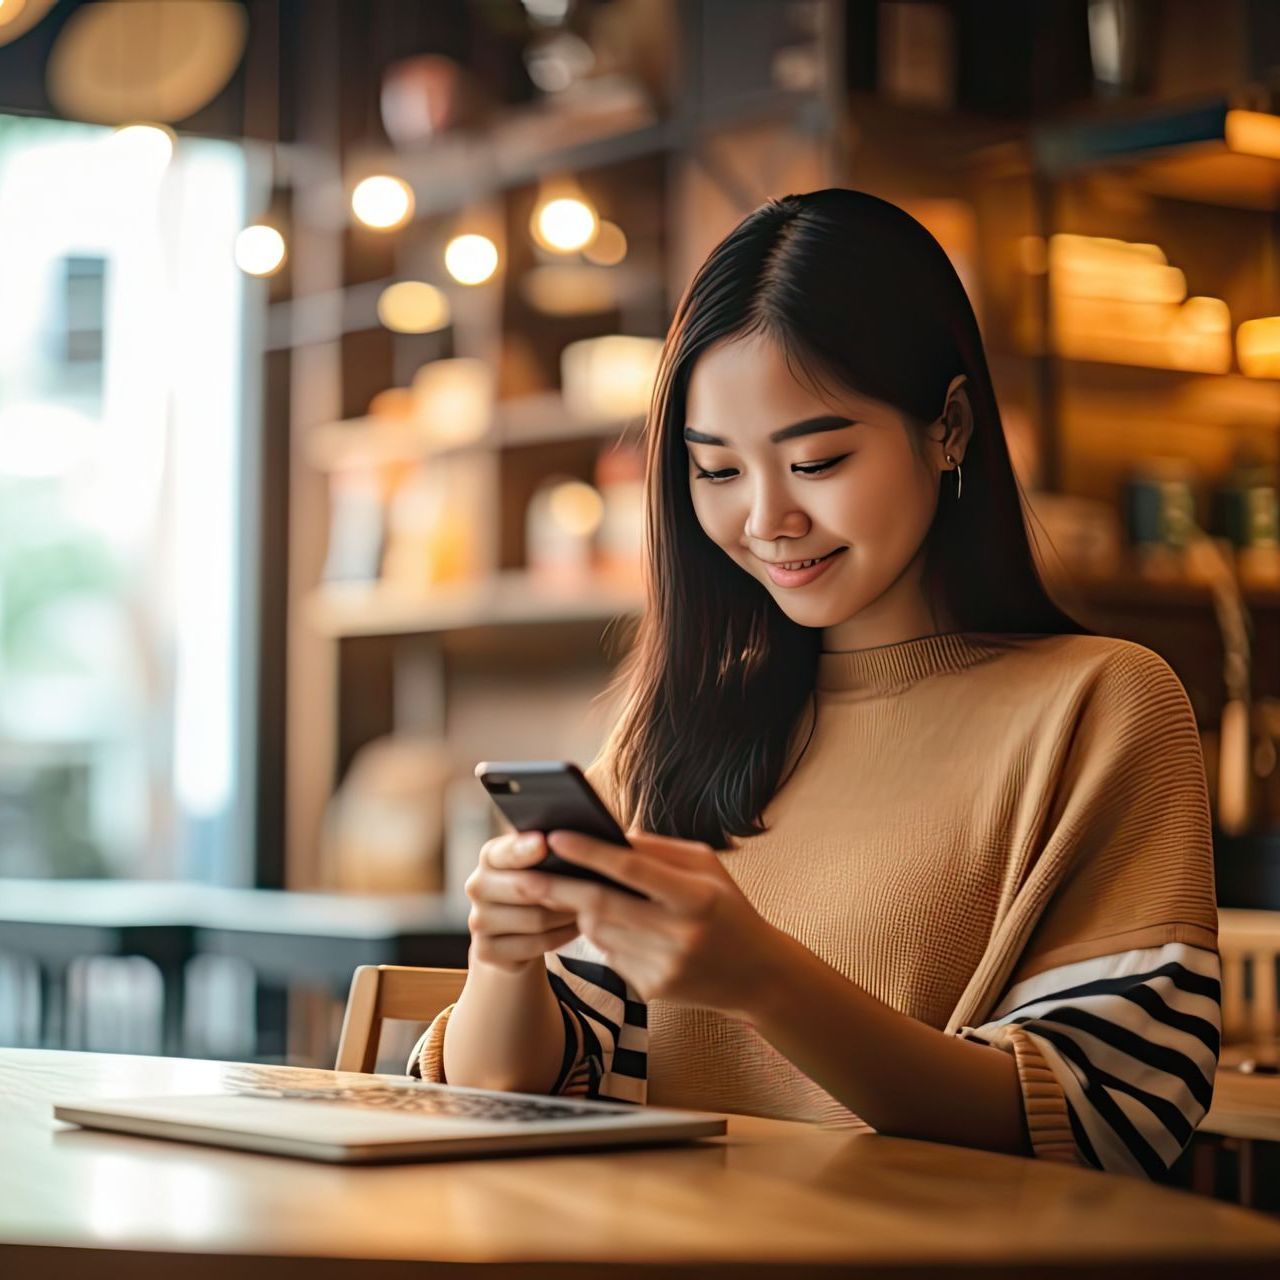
[[923, 855]]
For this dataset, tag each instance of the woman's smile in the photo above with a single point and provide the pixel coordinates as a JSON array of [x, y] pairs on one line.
[[804, 573]]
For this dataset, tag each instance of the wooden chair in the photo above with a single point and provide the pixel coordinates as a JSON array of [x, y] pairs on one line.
[[1246, 1107], [380, 991], [1249, 942]]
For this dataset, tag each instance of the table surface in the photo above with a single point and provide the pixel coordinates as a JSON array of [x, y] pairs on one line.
[[768, 1193]]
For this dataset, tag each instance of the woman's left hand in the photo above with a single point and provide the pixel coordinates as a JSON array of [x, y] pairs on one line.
[[697, 941]]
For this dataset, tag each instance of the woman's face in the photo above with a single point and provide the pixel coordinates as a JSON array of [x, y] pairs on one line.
[[850, 487]]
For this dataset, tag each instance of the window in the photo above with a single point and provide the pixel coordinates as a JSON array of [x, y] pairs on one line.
[[122, 440]]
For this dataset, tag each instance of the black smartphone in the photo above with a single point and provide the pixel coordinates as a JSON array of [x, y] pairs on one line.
[[552, 795]]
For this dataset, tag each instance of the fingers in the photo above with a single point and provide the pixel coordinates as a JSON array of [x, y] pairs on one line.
[[517, 950], [502, 873], [513, 849], [670, 849], [489, 917], [658, 879]]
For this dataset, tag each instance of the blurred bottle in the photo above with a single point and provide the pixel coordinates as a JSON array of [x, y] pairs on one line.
[[1246, 512], [1159, 504], [619, 476], [560, 525]]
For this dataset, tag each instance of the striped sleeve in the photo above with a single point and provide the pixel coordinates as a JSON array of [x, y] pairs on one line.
[[610, 1024], [1116, 1054], [605, 1030]]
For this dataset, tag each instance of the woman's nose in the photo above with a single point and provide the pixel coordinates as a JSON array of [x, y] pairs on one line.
[[774, 515]]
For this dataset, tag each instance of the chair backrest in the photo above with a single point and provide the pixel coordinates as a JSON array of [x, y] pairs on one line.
[[381, 991], [1248, 941]]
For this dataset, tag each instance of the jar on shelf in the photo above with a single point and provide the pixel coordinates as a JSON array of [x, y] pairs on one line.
[[1245, 511], [619, 476], [560, 526], [1159, 504]]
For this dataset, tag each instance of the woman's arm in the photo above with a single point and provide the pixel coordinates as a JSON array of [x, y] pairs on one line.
[[900, 1075], [698, 941], [505, 1031]]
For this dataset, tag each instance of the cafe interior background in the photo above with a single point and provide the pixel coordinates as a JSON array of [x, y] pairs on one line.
[[327, 331]]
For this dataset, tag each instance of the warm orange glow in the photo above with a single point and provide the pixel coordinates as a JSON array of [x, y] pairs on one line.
[[471, 259], [1033, 255], [1253, 133], [145, 60], [1258, 347], [564, 225], [1122, 302], [413, 306], [609, 247], [576, 507]]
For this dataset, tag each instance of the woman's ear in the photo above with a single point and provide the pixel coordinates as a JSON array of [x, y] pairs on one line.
[[957, 418]]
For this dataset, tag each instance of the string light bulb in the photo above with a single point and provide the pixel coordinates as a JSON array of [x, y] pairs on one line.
[[564, 224], [383, 202], [260, 250], [471, 259]]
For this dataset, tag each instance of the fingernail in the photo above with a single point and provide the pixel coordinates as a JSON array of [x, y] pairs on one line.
[[529, 844]]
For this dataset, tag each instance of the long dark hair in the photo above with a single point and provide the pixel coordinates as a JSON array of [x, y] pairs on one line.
[[855, 292]]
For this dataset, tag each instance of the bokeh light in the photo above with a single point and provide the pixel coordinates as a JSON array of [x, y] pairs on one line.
[[565, 224], [413, 306], [382, 202], [471, 259], [260, 250]]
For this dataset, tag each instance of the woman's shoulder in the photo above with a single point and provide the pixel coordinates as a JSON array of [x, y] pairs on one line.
[[1097, 679], [1091, 658]]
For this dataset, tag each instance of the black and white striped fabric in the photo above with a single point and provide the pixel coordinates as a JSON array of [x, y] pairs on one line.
[[606, 1027], [1132, 1039]]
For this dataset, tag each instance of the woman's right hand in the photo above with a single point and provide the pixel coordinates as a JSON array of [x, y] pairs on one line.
[[507, 931]]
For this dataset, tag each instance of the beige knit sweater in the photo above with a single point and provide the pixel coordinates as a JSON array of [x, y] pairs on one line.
[[1006, 838]]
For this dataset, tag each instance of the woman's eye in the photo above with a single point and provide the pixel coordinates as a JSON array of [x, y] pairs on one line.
[[811, 469], [815, 468]]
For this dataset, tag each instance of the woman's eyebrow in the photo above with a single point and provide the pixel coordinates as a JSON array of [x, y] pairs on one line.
[[807, 427]]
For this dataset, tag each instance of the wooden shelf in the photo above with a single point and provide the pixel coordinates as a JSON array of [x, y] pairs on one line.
[[528, 420], [513, 598], [1179, 151]]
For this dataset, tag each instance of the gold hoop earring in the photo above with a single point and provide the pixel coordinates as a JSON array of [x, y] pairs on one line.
[[959, 476]]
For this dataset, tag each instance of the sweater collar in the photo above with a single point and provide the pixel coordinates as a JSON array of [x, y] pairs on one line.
[[886, 667]]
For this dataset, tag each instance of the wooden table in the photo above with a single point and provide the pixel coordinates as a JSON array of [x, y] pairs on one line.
[[769, 1196]]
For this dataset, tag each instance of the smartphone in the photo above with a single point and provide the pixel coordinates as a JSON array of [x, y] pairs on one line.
[[550, 795]]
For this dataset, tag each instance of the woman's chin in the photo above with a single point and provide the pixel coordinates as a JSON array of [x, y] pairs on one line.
[[815, 612]]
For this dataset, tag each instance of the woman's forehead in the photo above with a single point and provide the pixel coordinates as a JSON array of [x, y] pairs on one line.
[[749, 384]]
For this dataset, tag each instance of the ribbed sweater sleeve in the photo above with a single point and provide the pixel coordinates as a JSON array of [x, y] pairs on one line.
[[1113, 1010]]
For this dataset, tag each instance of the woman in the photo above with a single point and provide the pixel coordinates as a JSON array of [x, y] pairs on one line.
[[923, 855]]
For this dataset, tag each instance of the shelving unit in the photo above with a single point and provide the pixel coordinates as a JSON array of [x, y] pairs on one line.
[[427, 662], [381, 659], [1167, 173]]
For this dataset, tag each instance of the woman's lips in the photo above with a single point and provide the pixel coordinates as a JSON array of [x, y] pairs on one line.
[[801, 577]]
